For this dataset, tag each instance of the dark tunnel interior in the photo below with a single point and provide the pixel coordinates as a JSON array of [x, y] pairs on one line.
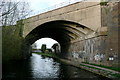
[[61, 31]]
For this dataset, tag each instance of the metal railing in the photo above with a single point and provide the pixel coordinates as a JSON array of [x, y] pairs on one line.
[[56, 6]]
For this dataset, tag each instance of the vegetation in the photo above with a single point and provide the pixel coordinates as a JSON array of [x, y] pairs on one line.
[[12, 11], [34, 46], [90, 66], [11, 43], [43, 48], [103, 3], [56, 47], [115, 75], [12, 40], [112, 68]]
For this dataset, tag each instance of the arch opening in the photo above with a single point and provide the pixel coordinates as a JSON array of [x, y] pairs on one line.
[[46, 45], [64, 32]]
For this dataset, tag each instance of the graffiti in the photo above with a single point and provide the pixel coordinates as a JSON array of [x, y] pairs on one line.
[[75, 55], [98, 57]]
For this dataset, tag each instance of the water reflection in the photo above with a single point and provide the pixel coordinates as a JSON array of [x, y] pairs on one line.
[[44, 68], [39, 67]]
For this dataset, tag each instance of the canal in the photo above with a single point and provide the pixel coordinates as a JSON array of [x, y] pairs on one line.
[[40, 67]]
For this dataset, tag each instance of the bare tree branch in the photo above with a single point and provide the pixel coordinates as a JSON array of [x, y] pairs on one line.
[[13, 11]]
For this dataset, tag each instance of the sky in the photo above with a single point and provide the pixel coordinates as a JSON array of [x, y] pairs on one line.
[[38, 5], [48, 41]]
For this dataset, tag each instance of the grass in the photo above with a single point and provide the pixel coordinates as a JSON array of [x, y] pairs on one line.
[[90, 66], [112, 68], [115, 75]]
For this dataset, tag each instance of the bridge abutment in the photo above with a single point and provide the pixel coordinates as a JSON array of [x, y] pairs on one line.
[[103, 49]]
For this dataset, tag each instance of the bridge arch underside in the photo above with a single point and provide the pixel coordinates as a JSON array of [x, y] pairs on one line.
[[62, 31]]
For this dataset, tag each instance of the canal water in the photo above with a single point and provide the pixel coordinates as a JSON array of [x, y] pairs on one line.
[[40, 67]]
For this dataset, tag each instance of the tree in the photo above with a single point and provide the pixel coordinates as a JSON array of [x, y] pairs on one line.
[[12, 11], [43, 48], [34, 46], [56, 48]]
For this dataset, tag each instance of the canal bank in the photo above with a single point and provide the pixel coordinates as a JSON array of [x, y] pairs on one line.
[[109, 72]]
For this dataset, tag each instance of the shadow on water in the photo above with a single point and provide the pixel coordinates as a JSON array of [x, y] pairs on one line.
[[39, 67]]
